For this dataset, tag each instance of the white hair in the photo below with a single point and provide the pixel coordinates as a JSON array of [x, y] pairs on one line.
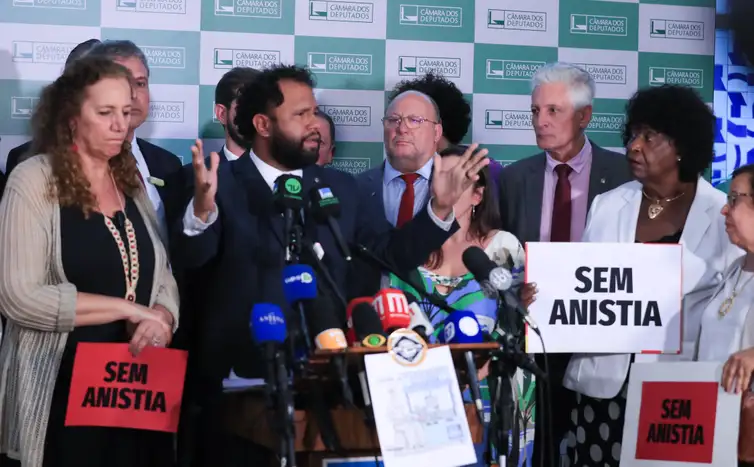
[[580, 84]]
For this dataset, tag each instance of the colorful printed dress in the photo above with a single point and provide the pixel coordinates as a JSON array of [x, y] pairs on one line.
[[465, 293]]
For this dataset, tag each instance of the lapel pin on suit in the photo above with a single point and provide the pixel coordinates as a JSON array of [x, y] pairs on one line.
[[602, 181], [156, 181]]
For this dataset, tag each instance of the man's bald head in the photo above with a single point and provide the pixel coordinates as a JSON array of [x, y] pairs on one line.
[[412, 130], [416, 95]]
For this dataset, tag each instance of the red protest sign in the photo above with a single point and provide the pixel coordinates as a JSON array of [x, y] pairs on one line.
[[677, 421], [112, 388]]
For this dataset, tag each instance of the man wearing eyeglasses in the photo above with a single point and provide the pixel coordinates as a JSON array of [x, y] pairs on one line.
[[400, 185], [411, 131]]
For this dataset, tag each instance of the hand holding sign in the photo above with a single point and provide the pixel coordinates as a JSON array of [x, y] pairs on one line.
[[528, 294], [737, 371], [150, 327]]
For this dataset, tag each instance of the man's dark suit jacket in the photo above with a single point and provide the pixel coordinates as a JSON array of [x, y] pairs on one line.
[[522, 183], [246, 244], [521, 186]]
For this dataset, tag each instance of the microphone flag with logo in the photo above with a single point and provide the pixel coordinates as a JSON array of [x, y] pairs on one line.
[[367, 326], [392, 308], [299, 283], [287, 192]]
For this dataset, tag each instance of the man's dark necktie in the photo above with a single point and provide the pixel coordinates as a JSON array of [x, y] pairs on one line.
[[560, 230], [406, 209]]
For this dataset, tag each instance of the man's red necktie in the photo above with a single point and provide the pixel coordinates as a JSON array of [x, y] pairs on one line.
[[560, 230], [406, 210]]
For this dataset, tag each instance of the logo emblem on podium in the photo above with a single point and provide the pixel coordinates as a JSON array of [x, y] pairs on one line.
[[406, 347]]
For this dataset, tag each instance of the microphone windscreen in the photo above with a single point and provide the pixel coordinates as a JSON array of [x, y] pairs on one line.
[[268, 324], [330, 339], [350, 332], [462, 327], [324, 203], [392, 308], [286, 192], [299, 283], [478, 263], [321, 315], [366, 321]]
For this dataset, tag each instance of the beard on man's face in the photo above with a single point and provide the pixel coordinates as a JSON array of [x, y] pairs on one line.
[[291, 153], [236, 137]]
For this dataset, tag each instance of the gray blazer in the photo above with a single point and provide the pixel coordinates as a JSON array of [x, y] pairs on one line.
[[522, 183]]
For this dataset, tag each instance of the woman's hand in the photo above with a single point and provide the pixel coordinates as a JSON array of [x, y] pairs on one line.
[[205, 181], [737, 371], [151, 327], [528, 294]]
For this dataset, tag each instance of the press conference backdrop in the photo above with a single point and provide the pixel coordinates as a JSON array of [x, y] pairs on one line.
[[358, 51]]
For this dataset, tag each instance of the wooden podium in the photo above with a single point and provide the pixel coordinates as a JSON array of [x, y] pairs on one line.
[[247, 416]]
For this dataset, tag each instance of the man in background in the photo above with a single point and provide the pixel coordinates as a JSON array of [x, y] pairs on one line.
[[17, 154], [226, 94], [455, 111], [326, 129], [158, 168], [546, 197]]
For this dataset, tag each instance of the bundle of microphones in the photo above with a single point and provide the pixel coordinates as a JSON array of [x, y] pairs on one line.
[[289, 343]]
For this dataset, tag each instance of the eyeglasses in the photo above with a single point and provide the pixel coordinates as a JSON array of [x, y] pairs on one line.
[[412, 122], [734, 196]]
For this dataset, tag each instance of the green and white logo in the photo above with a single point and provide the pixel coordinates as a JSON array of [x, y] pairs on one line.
[[340, 63], [344, 12], [690, 77], [348, 115], [165, 57], [61, 4], [606, 74], [428, 15], [54, 53], [176, 7], [249, 8], [352, 165], [598, 25], [519, 70], [21, 107], [495, 119], [419, 66], [226, 59], [674, 29], [606, 123], [167, 111], [293, 186], [517, 20]]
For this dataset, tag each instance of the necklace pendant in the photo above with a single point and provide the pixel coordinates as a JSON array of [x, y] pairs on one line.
[[655, 210], [725, 307]]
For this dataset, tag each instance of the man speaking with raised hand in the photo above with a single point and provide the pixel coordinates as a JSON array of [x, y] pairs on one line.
[[232, 219]]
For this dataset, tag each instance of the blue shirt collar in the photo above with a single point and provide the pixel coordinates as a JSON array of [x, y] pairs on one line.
[[391, 174]]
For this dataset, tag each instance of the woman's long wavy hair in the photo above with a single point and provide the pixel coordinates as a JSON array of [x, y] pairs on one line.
[[486, 217], [52, 125]]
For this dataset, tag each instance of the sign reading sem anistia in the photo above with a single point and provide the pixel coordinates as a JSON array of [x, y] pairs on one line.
[[605, 297]]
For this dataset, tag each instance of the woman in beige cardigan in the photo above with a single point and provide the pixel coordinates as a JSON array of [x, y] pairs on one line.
[[81, 260]]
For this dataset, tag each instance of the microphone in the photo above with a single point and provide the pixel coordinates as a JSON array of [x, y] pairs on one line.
[[268, 330], [462, 327], [350, 331], [420, 322], [375, 260], [490, 276], [287, 197], [316, 253], [495, 280], [299, 285], [329, 336], [325, 208], [392, 307], [367, 326]]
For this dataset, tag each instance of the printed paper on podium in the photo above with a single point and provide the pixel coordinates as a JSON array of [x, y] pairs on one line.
[[606, 297], [418, 409]]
